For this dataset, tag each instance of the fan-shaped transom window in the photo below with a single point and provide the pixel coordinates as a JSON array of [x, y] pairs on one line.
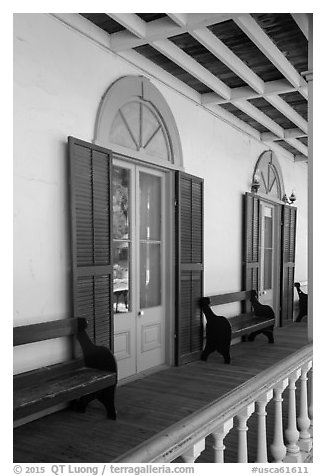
[[137, 126], [135, 120], [268, 175]]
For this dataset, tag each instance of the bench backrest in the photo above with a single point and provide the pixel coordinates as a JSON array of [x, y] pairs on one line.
[[46, 330], [229, 297]]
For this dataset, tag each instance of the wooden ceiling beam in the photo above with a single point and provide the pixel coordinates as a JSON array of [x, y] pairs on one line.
[[159, 29], [294, 133], [280, 150], [270, 50], [300, 158], [303, 149], [224, 54], [132, 22], [186, 62], [259, 116], [288, 112], [199, 20], [263, 119], [302, 21], [280, 86]]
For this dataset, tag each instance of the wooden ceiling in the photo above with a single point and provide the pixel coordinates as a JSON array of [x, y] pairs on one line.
[[246, 68]]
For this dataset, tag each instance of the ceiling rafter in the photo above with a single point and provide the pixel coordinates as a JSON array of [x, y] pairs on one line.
[[302, 21], [162, 28], [271, 88], [262, 118], [189, 64], [223, 53], [155, 33], [294, 133], [266, 45]]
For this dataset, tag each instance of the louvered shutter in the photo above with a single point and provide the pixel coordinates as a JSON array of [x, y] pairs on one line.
[[189, 272], [289, 219], [251, 244], [90, 189]]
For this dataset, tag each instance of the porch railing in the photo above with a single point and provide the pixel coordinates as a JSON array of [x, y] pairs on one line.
[[186, 438]]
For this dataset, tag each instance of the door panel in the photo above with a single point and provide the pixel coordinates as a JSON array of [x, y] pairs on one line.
[[151, 259], [267, 254], [139, 257]]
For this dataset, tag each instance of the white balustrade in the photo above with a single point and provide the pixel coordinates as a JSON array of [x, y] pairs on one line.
[[186, 438], [218, 440], [193, 452], [261, 428], [291, 433], [278, 448], [243, 416], [305, 441]]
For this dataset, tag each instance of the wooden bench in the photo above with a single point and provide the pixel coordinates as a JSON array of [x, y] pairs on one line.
[[93, 375], [303, 302], [221, 330]]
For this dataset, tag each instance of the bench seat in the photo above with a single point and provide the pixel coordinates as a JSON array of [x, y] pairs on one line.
[[244, 324], [77, 381], [35, 391], [221, 330]]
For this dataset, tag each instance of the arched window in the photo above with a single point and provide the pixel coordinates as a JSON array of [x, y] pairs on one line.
[[135, 119], [267, 176]]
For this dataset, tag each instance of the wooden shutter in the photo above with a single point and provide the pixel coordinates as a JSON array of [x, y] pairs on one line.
[[289, 219], [90, 189], [251, 244], [189, 267]]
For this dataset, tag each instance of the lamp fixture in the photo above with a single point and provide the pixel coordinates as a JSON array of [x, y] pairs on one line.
[[289, 200], [255, 183]]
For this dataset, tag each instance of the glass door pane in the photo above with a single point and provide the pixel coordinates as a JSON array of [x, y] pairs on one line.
[[150, 217], [121, 239]]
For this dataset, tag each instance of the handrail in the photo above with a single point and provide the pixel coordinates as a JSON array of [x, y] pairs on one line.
[[172, 442]]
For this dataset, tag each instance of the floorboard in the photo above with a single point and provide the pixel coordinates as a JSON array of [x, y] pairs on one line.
[[151, 404]]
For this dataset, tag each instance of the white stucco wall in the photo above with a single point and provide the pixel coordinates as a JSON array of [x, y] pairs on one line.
[[59, 79]]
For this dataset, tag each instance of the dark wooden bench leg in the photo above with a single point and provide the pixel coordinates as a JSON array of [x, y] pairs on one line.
[[267, 332], [81, 403], [224, 351], [107, 397], [252, 336], [300, 315]]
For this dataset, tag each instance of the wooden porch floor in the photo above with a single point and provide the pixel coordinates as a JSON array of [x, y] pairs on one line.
[[149, 405]]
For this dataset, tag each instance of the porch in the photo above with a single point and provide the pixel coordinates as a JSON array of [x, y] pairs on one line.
[[153, 403]]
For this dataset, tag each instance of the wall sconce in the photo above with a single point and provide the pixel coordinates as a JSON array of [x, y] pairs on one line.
[[289, 200], [255, 183]]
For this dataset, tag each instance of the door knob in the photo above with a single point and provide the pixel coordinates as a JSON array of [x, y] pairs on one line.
[[140, 313]]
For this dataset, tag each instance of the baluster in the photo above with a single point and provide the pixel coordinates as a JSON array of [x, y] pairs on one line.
[[218, 436], [292, 435], [305, 442], [310, 408], [261, 430], [278, 448], [193, 452], [243, 416]]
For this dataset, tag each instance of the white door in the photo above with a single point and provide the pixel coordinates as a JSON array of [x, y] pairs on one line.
[[267, 255], [139, 267]]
